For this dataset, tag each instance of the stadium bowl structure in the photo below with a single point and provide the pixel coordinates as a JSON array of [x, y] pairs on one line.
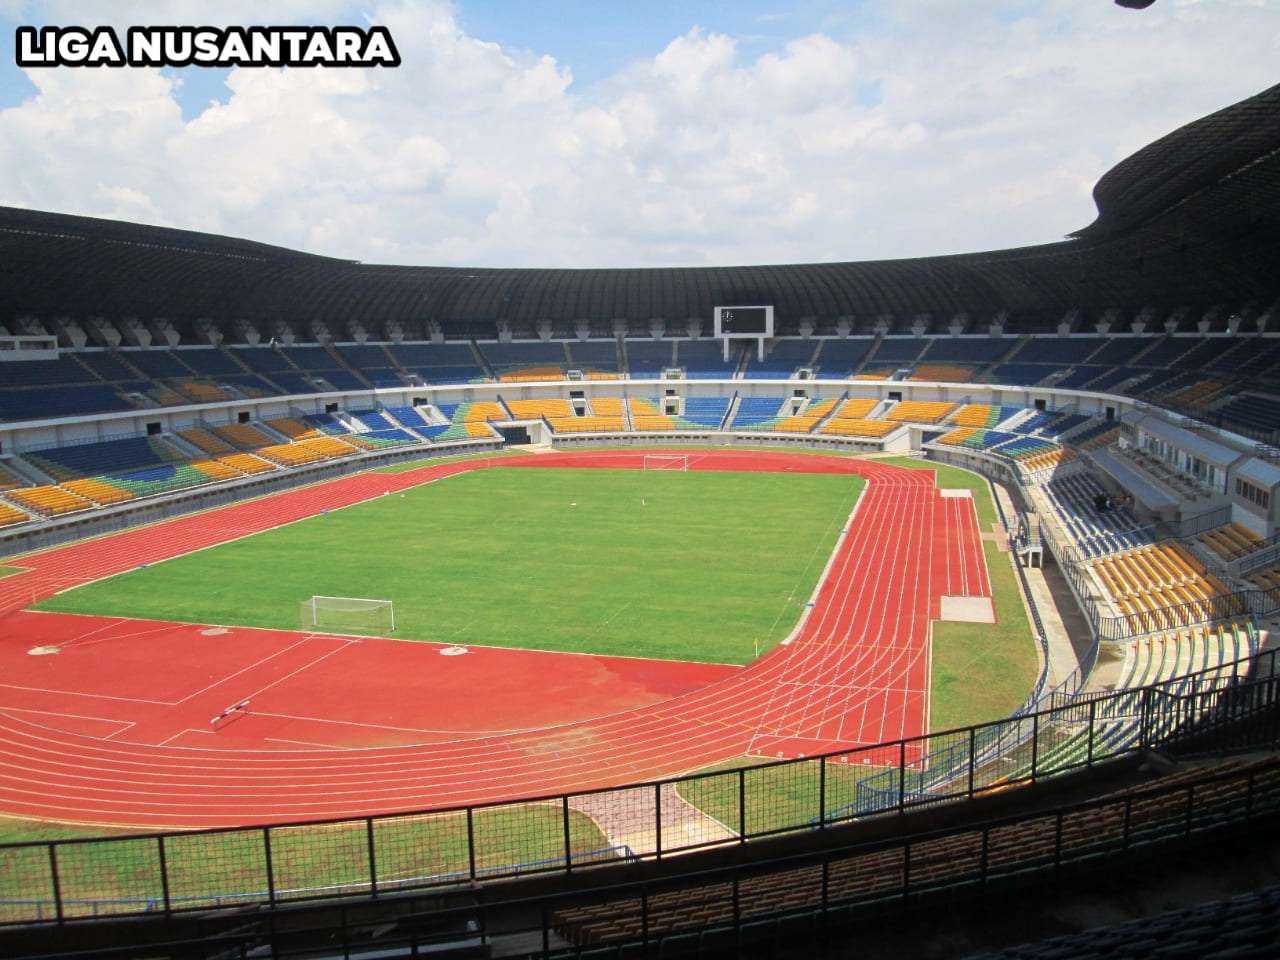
[[1117, 386]]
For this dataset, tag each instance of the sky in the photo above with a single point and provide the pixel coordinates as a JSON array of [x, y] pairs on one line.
[[632, 132]]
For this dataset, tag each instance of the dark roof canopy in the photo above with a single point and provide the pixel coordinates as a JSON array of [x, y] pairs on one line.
[[1189, 223]]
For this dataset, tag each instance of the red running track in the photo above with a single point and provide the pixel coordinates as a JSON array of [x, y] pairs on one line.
[[855, 673]]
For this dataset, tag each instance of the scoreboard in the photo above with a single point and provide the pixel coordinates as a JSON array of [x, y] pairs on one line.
[[745, 322]]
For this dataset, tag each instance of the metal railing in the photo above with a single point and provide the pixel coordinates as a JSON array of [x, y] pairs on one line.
[[62, 880], [720, 908]]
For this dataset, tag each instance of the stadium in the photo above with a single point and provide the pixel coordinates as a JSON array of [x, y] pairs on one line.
[[351, 610]]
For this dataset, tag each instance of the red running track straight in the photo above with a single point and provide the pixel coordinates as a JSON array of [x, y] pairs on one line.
[[855, 673]]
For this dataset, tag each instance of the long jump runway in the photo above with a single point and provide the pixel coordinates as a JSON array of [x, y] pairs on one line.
[[115, 728]]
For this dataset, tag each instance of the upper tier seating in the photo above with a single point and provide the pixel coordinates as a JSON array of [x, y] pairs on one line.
[[597, 359], [438, 363], [319, 363], [608, 407], [646, 359], [156, 364], [373, 362], [1019, 374], [839, 358], [785, 356], [1120, 349], [45, 403], [105, 365], [1165, 352], [704, 360], [526, 361], [209, 362], [901, 351], [1059, 351], [943, 373], [970, 350], [1258, 413]]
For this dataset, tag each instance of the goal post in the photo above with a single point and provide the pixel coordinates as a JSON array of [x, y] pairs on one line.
[[666, 461], [348, 615]]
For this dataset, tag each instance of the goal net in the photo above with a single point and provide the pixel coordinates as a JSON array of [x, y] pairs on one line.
[[348, 615], [664, 461]]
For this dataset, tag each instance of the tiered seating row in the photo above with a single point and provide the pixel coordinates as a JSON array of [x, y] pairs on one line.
[[954, 857], [1231, 541], [1266, 579], [1162, 587], [756, 413], [983, 415], [1236, 929], [1097, 534], [920, 411], [9, 515], [1163, 656], [537, 409]]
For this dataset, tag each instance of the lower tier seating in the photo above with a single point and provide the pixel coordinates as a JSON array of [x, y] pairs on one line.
[[852, 427], [952, 857], [1231, 541], [588, 424], [1240, 928], [49, 501], [920, 411], [10, 515], [1163, 586], [537, 409]]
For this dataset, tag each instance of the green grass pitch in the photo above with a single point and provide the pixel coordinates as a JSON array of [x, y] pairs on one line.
[[697, 565]]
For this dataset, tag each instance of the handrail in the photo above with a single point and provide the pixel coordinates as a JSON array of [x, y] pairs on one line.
[[1145, 816]]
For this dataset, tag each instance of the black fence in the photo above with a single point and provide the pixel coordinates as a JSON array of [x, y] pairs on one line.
[[777, 899], [143, 873]]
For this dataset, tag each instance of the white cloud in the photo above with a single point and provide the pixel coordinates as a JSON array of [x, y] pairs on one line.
[[938, 126]]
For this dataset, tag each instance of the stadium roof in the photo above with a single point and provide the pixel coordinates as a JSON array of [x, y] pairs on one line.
[[1189, 223]]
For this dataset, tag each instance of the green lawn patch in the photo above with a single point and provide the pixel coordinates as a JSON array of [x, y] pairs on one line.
[[10, 571], [307, 860], [703, 566], [404, 466], [775, 797]]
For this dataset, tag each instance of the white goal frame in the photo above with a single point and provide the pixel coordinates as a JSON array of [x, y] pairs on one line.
[[665, 461], [313, 608]]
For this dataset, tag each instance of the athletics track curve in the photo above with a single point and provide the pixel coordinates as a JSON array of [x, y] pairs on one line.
[[855, 673]]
